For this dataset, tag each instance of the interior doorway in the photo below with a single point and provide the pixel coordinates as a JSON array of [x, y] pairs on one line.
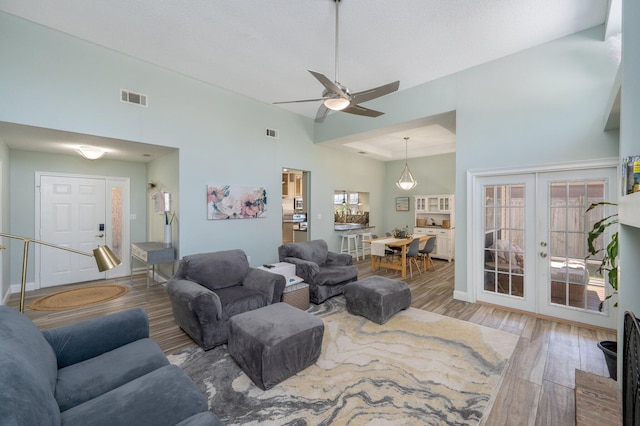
[[80, 212], [295, 205]]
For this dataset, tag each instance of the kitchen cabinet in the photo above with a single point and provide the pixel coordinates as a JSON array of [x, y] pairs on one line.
[[444, 246], [421, 204], [435, 215], [292, 184], [438, 203]]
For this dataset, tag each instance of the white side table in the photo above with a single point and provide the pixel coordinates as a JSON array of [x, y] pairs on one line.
[[296, 292]]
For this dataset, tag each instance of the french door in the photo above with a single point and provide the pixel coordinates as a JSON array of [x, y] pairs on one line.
[[531, 243]]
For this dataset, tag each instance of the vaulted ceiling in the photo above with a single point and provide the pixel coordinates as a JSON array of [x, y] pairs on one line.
[[263, 49]]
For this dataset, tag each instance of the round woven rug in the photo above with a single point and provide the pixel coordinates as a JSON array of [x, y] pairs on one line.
[[78, 297]]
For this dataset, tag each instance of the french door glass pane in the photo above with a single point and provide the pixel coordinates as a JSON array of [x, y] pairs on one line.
[[504, 225], [573, 280]]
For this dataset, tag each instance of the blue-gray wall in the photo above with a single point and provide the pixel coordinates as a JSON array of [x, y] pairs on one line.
[[51, 80], [22, 168], [630, 145], [543, 105], [539, 106]]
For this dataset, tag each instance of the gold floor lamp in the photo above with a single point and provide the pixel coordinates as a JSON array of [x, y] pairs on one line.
[[105, 259]]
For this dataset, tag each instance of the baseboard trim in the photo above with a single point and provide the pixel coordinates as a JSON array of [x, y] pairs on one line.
[[461, 295]]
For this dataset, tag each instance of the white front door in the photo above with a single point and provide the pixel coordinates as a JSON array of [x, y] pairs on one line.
[[530, 239], [72, 214]]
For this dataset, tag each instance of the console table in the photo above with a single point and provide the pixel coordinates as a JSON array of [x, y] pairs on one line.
[[152, 254]]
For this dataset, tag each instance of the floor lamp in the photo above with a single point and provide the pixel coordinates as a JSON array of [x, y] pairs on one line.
[[105, 259]]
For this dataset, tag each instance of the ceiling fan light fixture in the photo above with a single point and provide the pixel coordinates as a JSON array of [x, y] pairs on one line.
[[406, 181], [91, 152], [336, 104]]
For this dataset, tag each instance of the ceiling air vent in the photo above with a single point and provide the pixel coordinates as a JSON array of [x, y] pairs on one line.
[[133, 98], [271, 133]]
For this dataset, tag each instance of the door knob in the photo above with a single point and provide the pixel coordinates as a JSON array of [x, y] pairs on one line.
[[543, 254], [99, 235]]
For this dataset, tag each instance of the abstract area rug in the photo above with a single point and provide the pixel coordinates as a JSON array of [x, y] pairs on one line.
[[418, 368], [78, 297]]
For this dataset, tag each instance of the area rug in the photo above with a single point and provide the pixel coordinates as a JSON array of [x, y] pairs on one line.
[[418, 368], [78, 297]]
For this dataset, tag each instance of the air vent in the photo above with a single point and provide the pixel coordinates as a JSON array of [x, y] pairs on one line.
[[271, 133], [133, 98]]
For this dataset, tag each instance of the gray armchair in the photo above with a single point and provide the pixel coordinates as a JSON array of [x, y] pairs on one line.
[[326, 272], [209, 288]]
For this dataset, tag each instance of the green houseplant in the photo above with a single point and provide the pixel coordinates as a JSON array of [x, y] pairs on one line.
[[609, 261], [609, 264]]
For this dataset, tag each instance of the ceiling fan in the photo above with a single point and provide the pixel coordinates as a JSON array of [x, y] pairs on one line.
[[337, 97]]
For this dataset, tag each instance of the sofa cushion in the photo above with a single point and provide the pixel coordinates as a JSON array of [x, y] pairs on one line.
[[313, 251], [86, 380], [235, 300], [28, 372], [216, 270], [165, 396], [330, 275]]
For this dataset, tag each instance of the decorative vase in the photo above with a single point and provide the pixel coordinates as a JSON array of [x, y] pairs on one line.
[[167, 234]]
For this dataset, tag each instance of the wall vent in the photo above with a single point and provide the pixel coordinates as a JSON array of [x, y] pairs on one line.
[[133, 98], [272, 133]]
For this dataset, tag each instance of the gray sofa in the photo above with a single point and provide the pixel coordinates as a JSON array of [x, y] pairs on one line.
[[104, 371], [209, 288], [326, 272]]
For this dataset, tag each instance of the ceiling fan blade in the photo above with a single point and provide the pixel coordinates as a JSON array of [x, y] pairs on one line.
[[322, 113], [329, 85], [367, 95], [301, 100], [360, 110]]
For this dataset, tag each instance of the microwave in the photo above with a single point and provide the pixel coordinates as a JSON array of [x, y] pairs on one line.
[[298, 204]]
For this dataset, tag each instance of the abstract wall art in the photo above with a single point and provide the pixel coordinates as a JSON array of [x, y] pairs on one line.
[[236, 202]]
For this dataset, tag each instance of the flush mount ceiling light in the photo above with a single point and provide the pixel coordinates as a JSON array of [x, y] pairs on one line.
[[90, 152], [406, 181]]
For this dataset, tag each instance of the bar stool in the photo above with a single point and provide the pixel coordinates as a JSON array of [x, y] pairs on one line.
[[365, 246], [349, 238]]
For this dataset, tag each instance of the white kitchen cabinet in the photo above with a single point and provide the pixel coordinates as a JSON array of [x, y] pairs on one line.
[[435, 215], [421, 204], [440, 203], [444, 246]]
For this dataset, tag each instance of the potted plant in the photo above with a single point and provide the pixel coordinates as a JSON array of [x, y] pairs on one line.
[[609, 264], [401, 232]]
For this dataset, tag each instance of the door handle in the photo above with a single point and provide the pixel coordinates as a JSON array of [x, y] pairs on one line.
[[99, 235], [543, 254]]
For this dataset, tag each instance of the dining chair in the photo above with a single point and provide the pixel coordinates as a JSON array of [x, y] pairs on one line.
[[425, 253], [413, 253], [390, 252]]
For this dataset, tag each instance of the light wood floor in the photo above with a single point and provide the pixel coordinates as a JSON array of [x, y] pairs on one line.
[[538, 387]]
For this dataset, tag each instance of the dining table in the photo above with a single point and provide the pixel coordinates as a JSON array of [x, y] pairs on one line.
[[379, 258]]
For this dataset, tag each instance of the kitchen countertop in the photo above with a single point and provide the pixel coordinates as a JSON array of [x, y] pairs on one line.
[[350, 226]]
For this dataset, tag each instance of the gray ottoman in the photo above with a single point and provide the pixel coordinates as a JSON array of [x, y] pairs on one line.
[[273, 343], [377, 298]]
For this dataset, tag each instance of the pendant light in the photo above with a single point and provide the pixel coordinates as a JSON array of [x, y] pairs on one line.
[[406, 181]]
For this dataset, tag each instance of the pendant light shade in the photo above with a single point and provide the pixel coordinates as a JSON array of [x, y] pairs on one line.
[[406, 181]]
